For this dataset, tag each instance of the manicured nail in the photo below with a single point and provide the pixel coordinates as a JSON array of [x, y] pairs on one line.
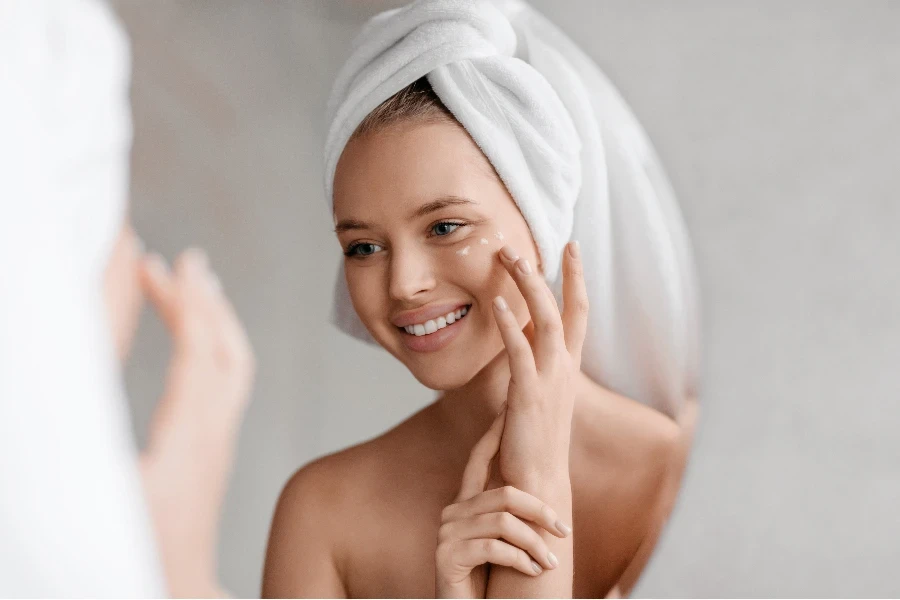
[[553, 560], [500, 303], [509, 253], [537, 568], [574, 248], [524, 266], [563, 528]]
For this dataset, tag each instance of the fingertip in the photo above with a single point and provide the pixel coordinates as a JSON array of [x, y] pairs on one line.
[[574, 249], [564, 529], [155, 265], [500, 304], [197, 256], [508, 253], [191, 261]]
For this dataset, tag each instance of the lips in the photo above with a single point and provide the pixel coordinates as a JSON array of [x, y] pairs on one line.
[[432, 342], [426, 313]]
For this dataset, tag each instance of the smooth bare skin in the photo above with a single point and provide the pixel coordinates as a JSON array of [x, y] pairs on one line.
[[365, 522], [186, 464], [489, 524]]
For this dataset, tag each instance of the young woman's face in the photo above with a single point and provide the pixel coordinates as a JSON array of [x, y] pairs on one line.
[[421, 216]]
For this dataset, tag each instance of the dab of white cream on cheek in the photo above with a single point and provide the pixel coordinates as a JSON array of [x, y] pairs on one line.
[[499, 235], [463, 252], [484, 241]]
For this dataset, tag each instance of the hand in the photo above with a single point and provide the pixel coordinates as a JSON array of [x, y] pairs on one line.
[[540, 399], [186, 465], [490, 527]]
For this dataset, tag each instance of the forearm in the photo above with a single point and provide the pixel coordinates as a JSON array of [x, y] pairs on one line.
[[504, 582]]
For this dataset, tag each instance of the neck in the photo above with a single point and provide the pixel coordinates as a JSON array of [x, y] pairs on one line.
[[468, 411]]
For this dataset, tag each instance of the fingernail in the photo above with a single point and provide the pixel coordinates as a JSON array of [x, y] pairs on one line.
[[524, 266], [509, 253], [563, 528], [553, 560], [500, 303], [574, 248], [537, 568]]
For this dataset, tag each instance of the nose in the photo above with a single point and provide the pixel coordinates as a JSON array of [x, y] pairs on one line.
[[411, 274]]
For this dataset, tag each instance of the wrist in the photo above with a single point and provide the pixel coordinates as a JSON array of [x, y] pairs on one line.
[[551, 485]]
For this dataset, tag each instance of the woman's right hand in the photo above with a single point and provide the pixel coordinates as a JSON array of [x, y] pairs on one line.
[[495, 526], [187, 462]]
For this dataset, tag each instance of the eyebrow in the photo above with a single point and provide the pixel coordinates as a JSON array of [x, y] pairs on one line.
[[427, 208]]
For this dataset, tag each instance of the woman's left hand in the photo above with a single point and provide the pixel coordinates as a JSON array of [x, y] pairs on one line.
[[534, 451]]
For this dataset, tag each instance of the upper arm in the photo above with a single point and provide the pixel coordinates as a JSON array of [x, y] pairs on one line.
[[300, 558]]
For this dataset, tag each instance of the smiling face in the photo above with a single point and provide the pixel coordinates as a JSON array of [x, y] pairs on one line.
[[414, 204]]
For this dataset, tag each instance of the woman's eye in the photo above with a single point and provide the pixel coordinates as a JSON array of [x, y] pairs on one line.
[[445, 228], [363, 249]]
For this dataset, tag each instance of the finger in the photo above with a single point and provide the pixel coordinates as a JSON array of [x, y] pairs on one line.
[[472, 553], [575, 301], [547, 322], [522, 368], [159, 286], [478, 469], [511, 500], [214, 319], [196, 330], [506, 526]]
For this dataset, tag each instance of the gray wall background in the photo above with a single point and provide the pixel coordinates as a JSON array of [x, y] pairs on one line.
[[778, 124]]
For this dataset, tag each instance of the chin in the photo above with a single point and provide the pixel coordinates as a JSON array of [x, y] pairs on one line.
[[443, 379]]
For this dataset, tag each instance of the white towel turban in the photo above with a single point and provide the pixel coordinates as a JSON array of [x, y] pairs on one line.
[[574, 159]]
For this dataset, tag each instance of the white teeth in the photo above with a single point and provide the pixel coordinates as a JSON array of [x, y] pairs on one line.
[[433, 325]]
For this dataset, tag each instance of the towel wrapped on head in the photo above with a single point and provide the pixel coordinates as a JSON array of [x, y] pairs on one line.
[[574, 159]]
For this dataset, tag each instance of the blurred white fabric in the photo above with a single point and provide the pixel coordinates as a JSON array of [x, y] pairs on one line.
[[72, 514]]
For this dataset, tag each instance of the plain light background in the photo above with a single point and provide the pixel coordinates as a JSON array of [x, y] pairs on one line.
[[778, 124]]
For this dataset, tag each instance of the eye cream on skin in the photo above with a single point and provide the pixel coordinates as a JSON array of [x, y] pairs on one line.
[[499, 236], [484, 241], [463, 252]]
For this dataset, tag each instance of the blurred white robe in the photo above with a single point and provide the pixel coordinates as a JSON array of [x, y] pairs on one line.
[[72, 515]]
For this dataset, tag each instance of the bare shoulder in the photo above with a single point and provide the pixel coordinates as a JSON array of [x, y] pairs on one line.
[[302, 554], [324, 508], [625, 466], [629, 437]]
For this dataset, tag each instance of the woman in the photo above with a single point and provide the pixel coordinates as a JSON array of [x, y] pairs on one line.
[[75, 493], [456, 181]]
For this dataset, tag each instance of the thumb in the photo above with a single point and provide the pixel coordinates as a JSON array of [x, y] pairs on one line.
[[159, 286], [478, 469]]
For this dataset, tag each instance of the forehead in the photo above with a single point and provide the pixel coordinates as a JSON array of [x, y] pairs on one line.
[[405, 165]]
